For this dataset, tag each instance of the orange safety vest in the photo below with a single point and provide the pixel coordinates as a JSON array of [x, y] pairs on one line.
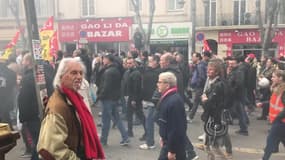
[[276, 106]]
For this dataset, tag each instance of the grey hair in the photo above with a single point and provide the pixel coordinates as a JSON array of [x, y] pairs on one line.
[[62, 69], [169, 78]]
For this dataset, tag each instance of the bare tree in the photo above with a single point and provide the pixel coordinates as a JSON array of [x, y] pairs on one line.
[[268, 26], [14, 7], [146, 35]]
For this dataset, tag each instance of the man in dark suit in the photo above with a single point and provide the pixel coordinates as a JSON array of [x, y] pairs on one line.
[[172, 119]]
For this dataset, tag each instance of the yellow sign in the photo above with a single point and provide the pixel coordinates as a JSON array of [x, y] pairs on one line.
[[45, 37]]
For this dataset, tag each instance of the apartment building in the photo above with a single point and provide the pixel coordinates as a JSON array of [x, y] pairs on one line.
[[105, 24]]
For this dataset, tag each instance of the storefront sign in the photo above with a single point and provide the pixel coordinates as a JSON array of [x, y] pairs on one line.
[[168, 30], [96, 30], [239, 36], [230, 37]]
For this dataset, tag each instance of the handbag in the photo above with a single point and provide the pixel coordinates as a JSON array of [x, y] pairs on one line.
[[214, 129]]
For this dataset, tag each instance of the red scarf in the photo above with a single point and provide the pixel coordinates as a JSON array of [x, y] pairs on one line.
[[170, 90], [93, 147]]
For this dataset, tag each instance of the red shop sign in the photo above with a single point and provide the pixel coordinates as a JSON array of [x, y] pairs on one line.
[[247, 36], [97, 30], [239, 36]]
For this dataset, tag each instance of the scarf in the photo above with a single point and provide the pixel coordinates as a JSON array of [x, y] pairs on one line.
[[170, 90], [93, 147]]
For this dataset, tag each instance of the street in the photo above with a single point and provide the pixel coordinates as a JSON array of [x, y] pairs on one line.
[[244, 147]]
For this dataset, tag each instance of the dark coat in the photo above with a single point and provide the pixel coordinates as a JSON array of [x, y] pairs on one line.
[[215, 104], [149, 80], [172, 122], [27, 99], [110, 84], [179, 76], [124, 83], [235, 80], [7, 88], [251, 81], [134, 84]]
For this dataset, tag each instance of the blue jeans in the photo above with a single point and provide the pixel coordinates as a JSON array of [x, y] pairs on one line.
[[196, 101], [276, 135], [110, 112], [150, 119]]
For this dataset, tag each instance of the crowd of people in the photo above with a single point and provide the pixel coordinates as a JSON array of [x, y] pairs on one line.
[[164, 83]]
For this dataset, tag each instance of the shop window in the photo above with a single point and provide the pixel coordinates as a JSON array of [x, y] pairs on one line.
[[210, 12], [175, 5], [88, 8], [239, 12], [44, 8], [131, 6]]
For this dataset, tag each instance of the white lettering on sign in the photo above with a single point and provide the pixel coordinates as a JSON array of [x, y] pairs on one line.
[[121, 25], [90, 26], [225, 40], [107, 25], [279, 33], [252, 39], [104, 34], [67, 27], [246, 34]]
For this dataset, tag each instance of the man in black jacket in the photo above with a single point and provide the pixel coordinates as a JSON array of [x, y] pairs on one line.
[[109, 93], [28, 104], [149, 80], [134, 92], [235, 80]]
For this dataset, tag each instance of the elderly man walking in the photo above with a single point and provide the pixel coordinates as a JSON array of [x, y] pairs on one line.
[[172, 119], [68, 130]]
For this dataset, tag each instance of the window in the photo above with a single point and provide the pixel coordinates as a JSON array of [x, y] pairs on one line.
[[5, 10], [88, 7], [132, 7], [175, 4], [210, 12], [44, 8], [239, 10]]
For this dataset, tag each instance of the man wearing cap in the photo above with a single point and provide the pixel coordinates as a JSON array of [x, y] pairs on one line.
[[109, 94]]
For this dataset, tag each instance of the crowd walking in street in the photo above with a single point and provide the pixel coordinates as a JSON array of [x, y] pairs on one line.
[[152, 88]]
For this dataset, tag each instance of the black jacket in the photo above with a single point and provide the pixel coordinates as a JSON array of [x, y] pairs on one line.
[[27, 100], [235, 80], [215, 104], [179, 76], [7, 88], [149, 80], [110, 84], [172, 122], [134, 84]]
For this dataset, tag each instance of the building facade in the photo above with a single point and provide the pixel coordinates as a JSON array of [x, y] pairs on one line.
[[110, 24]]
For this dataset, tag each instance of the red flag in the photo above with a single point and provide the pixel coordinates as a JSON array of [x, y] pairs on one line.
[[54, 44], [48, 25], [11, 44], [206, 46]]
